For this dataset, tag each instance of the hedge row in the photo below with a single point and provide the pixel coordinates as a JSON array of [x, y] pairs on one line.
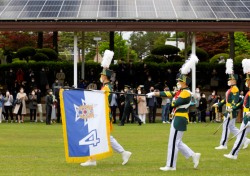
[[157, 71]]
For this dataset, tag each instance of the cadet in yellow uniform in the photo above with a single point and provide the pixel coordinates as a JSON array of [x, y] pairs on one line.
[[107, 87]]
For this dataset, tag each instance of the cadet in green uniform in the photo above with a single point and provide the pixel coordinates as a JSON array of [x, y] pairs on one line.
[[180, 103], [231, 99], [244, 128]]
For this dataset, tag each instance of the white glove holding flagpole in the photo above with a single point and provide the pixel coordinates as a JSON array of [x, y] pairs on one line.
[[229, 109], [150, 95], [215, 105], [248, 114]]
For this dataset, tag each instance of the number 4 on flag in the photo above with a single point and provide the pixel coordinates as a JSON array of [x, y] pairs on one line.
[[90, 139]]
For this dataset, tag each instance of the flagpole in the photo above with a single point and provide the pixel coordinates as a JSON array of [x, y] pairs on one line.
[[72, 88]]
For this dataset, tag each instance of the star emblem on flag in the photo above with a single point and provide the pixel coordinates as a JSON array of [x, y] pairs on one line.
[[84, 111]]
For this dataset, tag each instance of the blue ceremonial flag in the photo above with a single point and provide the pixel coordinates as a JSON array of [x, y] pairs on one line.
[[86, 125]]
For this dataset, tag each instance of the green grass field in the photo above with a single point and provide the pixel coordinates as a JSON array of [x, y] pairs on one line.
[[37, 149]]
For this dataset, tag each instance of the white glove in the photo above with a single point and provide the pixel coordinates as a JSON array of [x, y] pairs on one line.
[[248, 114], [149, 95], [215, 105], [229, 109]]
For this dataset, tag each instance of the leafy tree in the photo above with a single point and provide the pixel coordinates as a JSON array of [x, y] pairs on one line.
[[121, 49], [179, 35], [15, 40], [144, 42], [242, 44], [66, 43], [12, 41], [212, 42]]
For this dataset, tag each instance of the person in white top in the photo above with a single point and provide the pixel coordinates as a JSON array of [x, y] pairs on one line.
[[8, 106]]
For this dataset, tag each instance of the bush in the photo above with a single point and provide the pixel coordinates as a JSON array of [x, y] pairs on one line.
[[25, 53], [200, 53], [176, 58], [238, 59], [216, 57], [165, 50], [158, 71], [52, 55], [40, 57], [154, 58]]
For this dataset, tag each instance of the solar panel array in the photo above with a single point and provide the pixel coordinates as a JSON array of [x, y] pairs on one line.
[[125, 9]]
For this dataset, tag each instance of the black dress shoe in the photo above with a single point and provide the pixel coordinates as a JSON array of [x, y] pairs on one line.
[[120, 124], [140, 123]]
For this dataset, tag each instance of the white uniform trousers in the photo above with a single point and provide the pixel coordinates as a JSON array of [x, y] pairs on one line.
[[174, 145], [241, 137], [228, 127], [142, 117], [115, 145]]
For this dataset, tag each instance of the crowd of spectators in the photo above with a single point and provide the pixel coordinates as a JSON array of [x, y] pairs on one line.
[[28, 90], [39, 82]]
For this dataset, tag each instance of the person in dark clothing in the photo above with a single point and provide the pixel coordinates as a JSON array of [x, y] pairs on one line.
[[121, 103], [212, 99], [39, 103], [32, 84], [203, 107], [56, 88], [32, 105], [43, 80], [10, 80], [219, 110], [152, 105], [129, 106], [49, 104], [148, 84]]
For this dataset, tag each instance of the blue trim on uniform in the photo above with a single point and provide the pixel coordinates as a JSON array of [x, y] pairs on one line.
[[241, 139], [173, 149], [225, 137]]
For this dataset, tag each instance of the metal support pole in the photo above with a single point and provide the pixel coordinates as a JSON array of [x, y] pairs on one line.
[[194, 67], [83, 55], [75, 59]]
